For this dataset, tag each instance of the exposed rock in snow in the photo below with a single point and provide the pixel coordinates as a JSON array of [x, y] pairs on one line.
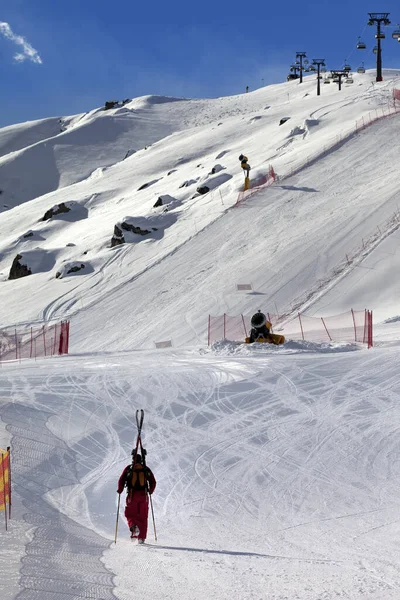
[[132, 229], [31, 262], [68, 268], [203, 189], [77, 211], [19, 269], [216, 169], [167, 200], [118, 237], [55, 210], [188, 182]]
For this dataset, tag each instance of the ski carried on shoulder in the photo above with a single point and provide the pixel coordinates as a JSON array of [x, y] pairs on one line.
[[139, 425]]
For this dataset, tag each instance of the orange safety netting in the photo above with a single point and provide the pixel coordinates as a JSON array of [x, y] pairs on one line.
[[352, 326], [34, 342], [4, 479]]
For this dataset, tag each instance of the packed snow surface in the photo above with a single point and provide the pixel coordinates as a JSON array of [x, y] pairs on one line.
[[277, 468]]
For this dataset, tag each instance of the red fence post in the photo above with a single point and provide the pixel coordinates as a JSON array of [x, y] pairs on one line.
[[370, 333], [61, 339], [301, 326], [44, 339], [244, 326], [67, 344], [354, 324], [326, 329], [54, 346]]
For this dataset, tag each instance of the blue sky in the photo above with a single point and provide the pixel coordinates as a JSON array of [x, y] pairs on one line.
[[92, 51]]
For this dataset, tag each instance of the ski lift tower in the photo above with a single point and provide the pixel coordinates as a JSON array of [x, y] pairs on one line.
[[318, 62], [338, 75], [379, 19], [299, 57]]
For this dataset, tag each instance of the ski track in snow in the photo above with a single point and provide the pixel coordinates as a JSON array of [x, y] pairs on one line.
[[277, 475]]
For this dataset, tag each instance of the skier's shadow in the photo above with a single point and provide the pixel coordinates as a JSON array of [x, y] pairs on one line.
[[208, 551], [297, 189], [237, 553]]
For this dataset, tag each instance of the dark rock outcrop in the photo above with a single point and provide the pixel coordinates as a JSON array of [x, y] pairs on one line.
[[203, 189], [55, 210], [158, 203], [75, 268], [18, 269], [110, 104], [136, 229], [117, 238]]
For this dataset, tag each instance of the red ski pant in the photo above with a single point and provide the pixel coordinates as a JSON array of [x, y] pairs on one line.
[[136, 511]]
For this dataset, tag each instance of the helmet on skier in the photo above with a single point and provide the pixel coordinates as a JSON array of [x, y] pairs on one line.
[[241, 157], [258, 320]]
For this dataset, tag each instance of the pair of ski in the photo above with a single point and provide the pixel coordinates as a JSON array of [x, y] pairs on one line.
[[139, 445]]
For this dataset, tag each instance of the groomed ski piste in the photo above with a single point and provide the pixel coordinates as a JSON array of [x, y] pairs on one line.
[[278, 468]]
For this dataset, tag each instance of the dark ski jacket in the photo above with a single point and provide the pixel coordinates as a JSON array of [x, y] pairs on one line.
[[150, 481], [260, 331]]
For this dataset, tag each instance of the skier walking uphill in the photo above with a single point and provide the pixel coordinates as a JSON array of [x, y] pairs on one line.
[[139, 481]]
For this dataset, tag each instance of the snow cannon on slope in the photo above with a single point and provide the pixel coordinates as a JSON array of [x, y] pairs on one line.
[[261, 331]]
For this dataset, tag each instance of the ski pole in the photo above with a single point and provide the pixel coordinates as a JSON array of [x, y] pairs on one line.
[[152, 514], [116, 524]]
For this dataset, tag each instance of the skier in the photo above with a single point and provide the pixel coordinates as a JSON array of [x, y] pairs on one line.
[[139, 481], [260, 327], [244, 164]]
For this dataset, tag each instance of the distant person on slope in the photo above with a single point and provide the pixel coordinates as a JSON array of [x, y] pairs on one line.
[[139, 481], [244, 164]]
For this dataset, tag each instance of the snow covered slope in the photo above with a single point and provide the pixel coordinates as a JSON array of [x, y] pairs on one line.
[[277, 467], [284, 240], [277, 474]]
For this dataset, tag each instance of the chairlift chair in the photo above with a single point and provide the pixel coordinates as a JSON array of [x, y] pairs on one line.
[[361, 69], [375, 50], [396, 33], [380, 36], [360, 45], [349, 80], [323, 70], [326, 80], [346, 68]]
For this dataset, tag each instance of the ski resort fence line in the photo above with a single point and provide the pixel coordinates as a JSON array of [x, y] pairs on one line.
[[35, 342], [352, 326], [392, 108], [257, 185], [365, 121]]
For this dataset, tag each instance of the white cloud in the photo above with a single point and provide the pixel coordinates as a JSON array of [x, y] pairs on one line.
[[28, 52]]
